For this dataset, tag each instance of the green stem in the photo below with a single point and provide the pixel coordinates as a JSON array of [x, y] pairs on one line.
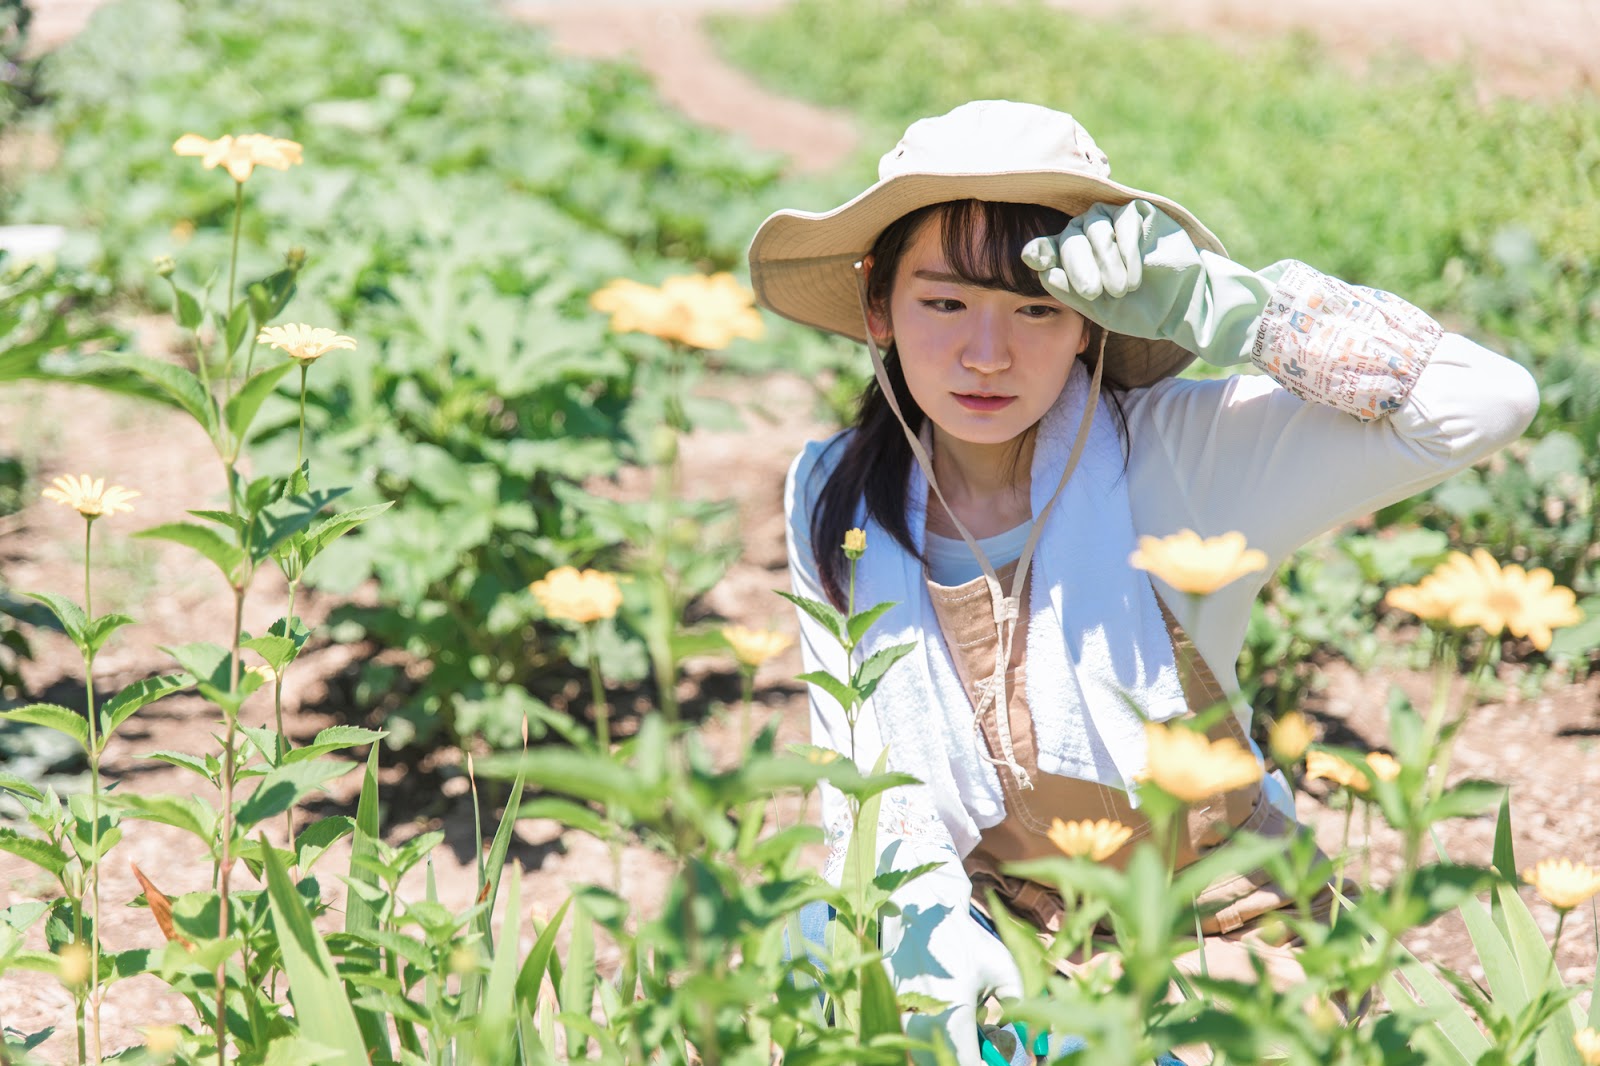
[[225, 868], [1555, 945], [233, 272], [747, 695], [597, 692], [277, 708], [300, 450], [94, 803]]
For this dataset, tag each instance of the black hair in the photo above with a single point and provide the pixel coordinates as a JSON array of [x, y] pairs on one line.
[[876, 464]]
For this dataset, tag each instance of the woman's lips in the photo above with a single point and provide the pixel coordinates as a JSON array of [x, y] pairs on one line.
[[974, 402]]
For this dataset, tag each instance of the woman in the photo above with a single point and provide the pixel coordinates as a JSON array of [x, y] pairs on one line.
[[1026, 316]]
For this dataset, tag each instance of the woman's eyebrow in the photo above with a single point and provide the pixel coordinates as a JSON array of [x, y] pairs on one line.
[[944, 276]]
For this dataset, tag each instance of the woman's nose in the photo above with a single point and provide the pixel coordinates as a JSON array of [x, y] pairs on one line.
[[988, 348]]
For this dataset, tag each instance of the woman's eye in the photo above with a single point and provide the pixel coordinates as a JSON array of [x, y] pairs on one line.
[[1039, 310], [943, 303]]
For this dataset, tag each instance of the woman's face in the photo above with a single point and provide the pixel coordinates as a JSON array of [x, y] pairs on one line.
[[984, 364]]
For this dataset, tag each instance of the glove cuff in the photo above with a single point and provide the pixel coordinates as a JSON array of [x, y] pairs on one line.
[[1356, 349]]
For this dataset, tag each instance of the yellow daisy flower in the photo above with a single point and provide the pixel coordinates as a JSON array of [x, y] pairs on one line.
[[1097, 840], [304, 343], [1587, 1041], [1195, 566], [698, 310], [89, 497], [571, 596], [240, 155], [1324, 766], [1291, 735], [1562, 883], [752, 647], [1191, 767]]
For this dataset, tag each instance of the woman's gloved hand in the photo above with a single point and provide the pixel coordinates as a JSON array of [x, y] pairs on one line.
[[936, 948], [1135, 271]]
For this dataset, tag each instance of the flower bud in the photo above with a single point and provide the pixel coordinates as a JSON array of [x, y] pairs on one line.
[[165, 266], [295, 257], [74, 963], [855, 543]]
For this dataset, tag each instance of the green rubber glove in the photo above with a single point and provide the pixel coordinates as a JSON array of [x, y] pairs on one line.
[[1133, 270]]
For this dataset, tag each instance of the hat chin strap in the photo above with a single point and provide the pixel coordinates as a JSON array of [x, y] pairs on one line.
[[992, 690]]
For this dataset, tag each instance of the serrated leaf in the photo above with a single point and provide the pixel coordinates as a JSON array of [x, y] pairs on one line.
[[243, 405], [140, 694], [1465, 799], [282, 788], [319, 836], [278, 651], [69, 614], [873, 670], [182, 387], [187, 311], [13, 783], [100, 629], [229, 558], [226, 519], [41, 853], [52, 716], [843, 693], [189, 813], [825, 614], [862, 621], [335, 738], [570, 814], [330, 529], [201, 766]]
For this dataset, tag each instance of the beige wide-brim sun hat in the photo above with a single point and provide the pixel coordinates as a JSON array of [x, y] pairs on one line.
[[802, 263]]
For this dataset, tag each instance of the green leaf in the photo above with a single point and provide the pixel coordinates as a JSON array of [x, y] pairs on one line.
[[880, 1014], [843, 693], [189, 813], [278, 652], [321, 1005], [69, 614], [862, 621], [244, 404], [496, 861], [825, 614], [52, 716], [238, 325], [1457, 1027], [13, 783], [229, 558], [140, 694], [578, 980], [570, 814], [359, 917], [41, 853], [319, 836], [187, 311], [1465, 799], [531, 976], [1505, 858], [100, 630], [182, 387], [335, 738], [330, 529], [872, 671], [282, 788]]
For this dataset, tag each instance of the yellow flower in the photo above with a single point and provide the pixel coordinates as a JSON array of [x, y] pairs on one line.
[[1563, 883], [1324, 766], [1198, 567], [1191, 767], [89, 498], [162, 1039], [1527, 602], [264, 671], [304, 343], [698, 310], [1424, 599], [74, 965], [589, 596], [1089, 839], [1291, 735], [241, 154], [816, 756], [752, 647], [1587, 1041], [1383, 765], [855, 543]]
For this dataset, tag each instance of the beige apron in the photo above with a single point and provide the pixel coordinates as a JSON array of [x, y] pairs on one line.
[[1233, 932]]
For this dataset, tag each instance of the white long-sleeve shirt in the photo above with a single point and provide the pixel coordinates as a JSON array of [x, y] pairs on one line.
[[1239, 453]]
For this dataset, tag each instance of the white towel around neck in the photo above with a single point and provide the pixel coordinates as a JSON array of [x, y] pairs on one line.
[[1097, 646]]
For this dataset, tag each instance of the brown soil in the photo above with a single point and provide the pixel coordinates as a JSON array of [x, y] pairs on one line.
[[1541, 743]]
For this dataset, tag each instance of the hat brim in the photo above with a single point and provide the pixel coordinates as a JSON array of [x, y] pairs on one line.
[[802, 264]]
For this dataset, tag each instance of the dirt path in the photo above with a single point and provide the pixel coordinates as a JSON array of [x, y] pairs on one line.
[[1543, 744]]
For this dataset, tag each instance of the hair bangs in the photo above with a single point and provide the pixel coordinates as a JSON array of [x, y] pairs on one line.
[[983, 242]]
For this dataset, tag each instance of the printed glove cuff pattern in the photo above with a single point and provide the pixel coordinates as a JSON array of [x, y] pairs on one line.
[[1356, 349]]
